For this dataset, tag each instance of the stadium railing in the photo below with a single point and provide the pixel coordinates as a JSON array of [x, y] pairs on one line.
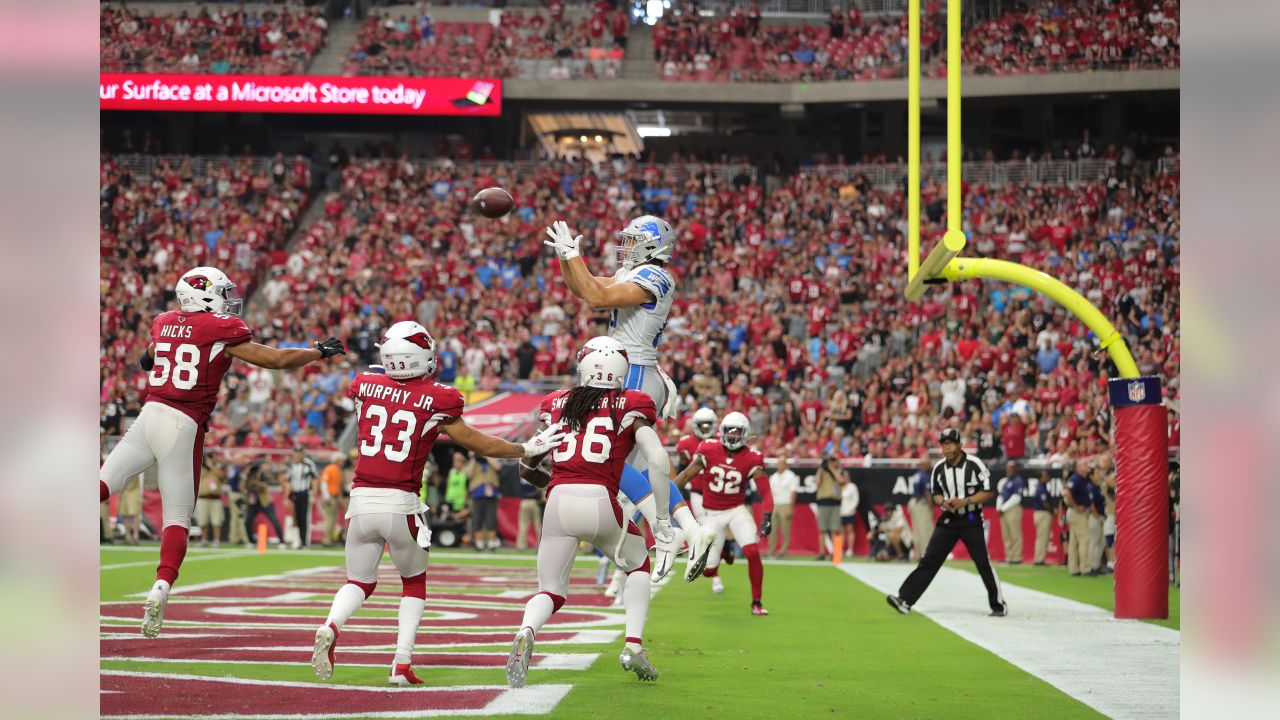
[[993, 173], [143, 166]]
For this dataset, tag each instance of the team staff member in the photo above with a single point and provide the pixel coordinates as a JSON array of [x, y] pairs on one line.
[[1041, 505], [783, 485], [1011, 489], [921, 508], [301, 474], [960, 484], [1079, 499]]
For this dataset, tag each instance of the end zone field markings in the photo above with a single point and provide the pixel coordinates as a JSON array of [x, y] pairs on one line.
[[1124, 669], [425, 661], [175, 696]]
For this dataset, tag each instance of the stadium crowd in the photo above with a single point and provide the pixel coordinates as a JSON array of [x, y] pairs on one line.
[[1036, 37], [789, 309], [211, 39], [391, 43]]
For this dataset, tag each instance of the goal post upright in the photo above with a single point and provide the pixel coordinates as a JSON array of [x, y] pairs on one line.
[[1138, 434]]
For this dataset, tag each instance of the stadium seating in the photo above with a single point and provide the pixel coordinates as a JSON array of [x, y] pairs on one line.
[[161, 216], [524, 44], [211, 39], [787, 299]]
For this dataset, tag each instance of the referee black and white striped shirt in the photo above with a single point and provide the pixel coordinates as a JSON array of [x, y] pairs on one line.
[[967, 478], [302, 473]]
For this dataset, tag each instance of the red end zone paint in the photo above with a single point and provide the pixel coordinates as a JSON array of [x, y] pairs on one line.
[[196, 696]]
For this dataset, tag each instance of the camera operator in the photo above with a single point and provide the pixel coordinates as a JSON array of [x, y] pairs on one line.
[[828, 499]]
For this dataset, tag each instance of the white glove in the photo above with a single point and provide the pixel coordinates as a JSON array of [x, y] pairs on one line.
[[664, 542], [563, 240], [544, 442]]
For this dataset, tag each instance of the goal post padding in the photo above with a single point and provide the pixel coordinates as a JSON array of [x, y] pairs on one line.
[[1141, 437]]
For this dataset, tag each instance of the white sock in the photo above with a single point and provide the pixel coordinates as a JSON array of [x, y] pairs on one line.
[[537, 612], [648, 508], [410, 615], [346, 602], [636, 600], [163, 586], [684, 518], [620, 578]]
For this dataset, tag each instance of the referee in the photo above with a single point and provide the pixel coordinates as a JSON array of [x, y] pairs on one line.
[[301, 475], [960, 484]]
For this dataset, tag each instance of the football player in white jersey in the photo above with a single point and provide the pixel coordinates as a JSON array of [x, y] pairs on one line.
[[640, 295]]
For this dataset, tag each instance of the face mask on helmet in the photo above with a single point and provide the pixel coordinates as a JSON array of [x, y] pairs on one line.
[[207, 289], [733, 437], [704, 429], [627, 249]]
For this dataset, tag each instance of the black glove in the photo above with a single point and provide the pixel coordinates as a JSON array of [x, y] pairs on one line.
[[330, 347], [146, 361], [766, 527]]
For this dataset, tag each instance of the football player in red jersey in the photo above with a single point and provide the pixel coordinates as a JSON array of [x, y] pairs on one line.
[[191, 349], [603, 424], [730, 466], [400, 413], [704, 426]]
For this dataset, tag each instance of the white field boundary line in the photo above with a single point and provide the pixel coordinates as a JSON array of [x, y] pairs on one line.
[[1124, 669], [553, 661], [221, 555]]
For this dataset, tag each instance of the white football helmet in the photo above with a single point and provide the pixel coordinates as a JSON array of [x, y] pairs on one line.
[[704, 423], [207, 289], [408, 351], [734, 429], [644, 239], [602, 363]]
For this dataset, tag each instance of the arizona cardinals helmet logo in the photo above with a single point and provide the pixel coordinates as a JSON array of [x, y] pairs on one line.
[[198, 282], [421, 339]]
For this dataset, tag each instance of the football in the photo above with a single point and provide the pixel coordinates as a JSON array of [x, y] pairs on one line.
[[492, 202]]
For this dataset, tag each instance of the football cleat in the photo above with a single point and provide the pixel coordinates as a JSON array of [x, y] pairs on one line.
[[896, 603], [726, 554], [1001, 611], [322, 655], [758, 609], [518, 661], [403, 675], [717, 585], [153, 609], [615, 588], [638, 663], [699, 549]]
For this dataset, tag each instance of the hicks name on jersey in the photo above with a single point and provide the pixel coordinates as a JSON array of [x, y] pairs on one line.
[[386, 393], [175, 331]]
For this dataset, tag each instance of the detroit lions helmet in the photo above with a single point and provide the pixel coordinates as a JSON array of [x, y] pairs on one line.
[[645, 239]]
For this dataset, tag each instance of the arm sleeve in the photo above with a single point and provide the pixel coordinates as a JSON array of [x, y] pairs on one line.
[[984, 477], [935, 485], [650, 444], [763, 486]]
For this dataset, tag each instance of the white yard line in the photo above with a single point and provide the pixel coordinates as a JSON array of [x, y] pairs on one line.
[[220, 555], [1124, 669]]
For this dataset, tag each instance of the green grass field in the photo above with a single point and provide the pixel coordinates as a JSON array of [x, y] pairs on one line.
[[830, 648]]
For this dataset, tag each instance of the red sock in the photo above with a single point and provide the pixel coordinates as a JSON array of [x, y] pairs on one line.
[[173, 548], [711, 571], [104, 492], [755, 569]]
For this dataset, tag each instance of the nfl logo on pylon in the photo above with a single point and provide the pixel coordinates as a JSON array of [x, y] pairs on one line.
[[1137, 391]]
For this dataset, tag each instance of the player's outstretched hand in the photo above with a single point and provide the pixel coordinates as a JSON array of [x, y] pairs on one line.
[[330, 346], [544, 442], [766, 526], [563, 240], [664, 541]]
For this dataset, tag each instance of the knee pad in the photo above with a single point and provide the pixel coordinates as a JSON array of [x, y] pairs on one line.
[[368, 587], [180, 516]]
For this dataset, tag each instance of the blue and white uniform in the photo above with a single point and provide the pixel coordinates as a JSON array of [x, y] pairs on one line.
[[639, 329]]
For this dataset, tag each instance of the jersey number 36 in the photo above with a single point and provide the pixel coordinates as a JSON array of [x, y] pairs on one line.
[[594, 441]]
